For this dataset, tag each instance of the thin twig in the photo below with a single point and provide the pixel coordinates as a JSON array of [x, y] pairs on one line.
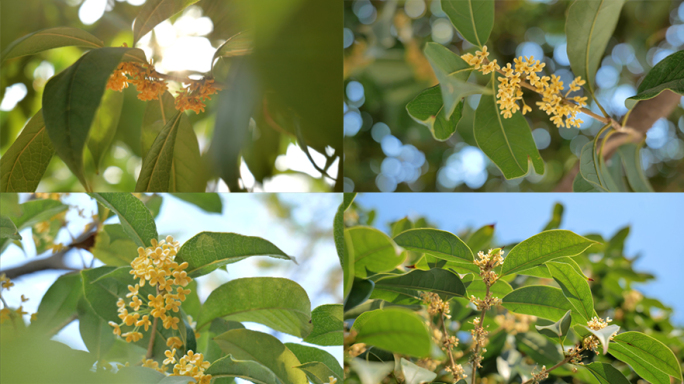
[[445, 337], [476, 352]]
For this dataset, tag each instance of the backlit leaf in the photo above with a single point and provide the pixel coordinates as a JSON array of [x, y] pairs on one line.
[[306, 354], [606, 373], [440, 244], [394, 329], [154, 12], [136, 219], [652, 351], [327, 325], [474, 19], [155, 174], [104, 125], [50, 38], [640, 366], [538, 300], [374, 251]]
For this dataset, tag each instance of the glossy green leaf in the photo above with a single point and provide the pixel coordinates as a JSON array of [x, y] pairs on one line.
[[575, 288], [640, 366], [245, 344], [538, 300], [187, 172], [440, 244], [452, 73], [474, 19], [371, 372], [207, 251], [481, 239], [604, 335], [113, 246], [155, 174], [557, 330], [428, 109], [71, 99], [239, 44], [373, 251], [590, 167], [154, 12], [394, 329], [50, 38], [631, 160], [24, 163], [327, 325], [589, 26], [667, 74], [479, 289], [360, 292], [543, 247], [606, 373], [58, 306], [135, 218], [507, 142], [278, 303], [253, 371], [104, 125], [208, 202], [8, 229], [440, 281], [306, 354], [414, 374], [652, 351]]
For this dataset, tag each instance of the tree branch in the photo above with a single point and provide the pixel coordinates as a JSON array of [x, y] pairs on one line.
[[642, 118]]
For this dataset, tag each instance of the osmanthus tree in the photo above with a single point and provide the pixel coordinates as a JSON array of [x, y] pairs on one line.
[[257, 113], [140, 315], [499, 126], [426, 305]]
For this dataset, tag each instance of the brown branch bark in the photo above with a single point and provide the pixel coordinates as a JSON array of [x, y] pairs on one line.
[[642, 118]]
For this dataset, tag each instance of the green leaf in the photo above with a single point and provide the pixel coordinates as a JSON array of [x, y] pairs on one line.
[[373, 251], [604, 335], [155, 174], [667, 74], [507, 142], [154, 12], [640, 366], [327, 325], [104, 125], [452, 73], [394, 329], [187, 172], [590, 167], [556, 218], [440, 244], [58, 305], [135, 218], [371, 372], [479, 289], [50, 38], [589, 26], [114, 247], [253, 371], [95, 332], [208, 202], [543, 247], [539, 348], [245, 344], [360, 292], [278, 303], [71, 99], [606, 373], [440, 281], [414, 374], [207, 251], [101, 300], [24, 163], [652, 351], [538, 300], [631, 160], [318, 373], [575, 288], [348, 263], [343, 242], [481, 239], [557, 330], [428, 109], [8, 229], [306, 354], [239, 44], [35, 211], [580, 184], [474, 19]]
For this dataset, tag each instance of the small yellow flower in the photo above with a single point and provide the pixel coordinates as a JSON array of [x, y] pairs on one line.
[[170, 357], [135, 303], [24, 299], [6, 282], [171, 322], [132, 336], [174, 342], [117, 329], [133, 290], [149, 363], [144, 322]]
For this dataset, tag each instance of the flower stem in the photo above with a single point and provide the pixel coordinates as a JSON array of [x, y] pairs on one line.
[[445, 337], [476, 352]]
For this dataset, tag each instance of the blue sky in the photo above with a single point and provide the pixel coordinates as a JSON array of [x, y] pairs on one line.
[[655, 219], [246, 214]]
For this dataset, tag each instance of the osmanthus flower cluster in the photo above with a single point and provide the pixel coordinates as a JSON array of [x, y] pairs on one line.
[[554, 102], [151, 85], [156, 266], [6, 313]]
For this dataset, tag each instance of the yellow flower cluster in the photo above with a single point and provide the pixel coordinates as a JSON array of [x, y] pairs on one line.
[[435, 304], [480, 340], [193, 97], [515, 323], [485, 304], [142, 76], [487, 262], [5, 312], [155, 265], [554, 102], [192, 364], [592, 342]]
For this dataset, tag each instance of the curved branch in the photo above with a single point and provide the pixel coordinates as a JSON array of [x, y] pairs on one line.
[[641, 119]]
